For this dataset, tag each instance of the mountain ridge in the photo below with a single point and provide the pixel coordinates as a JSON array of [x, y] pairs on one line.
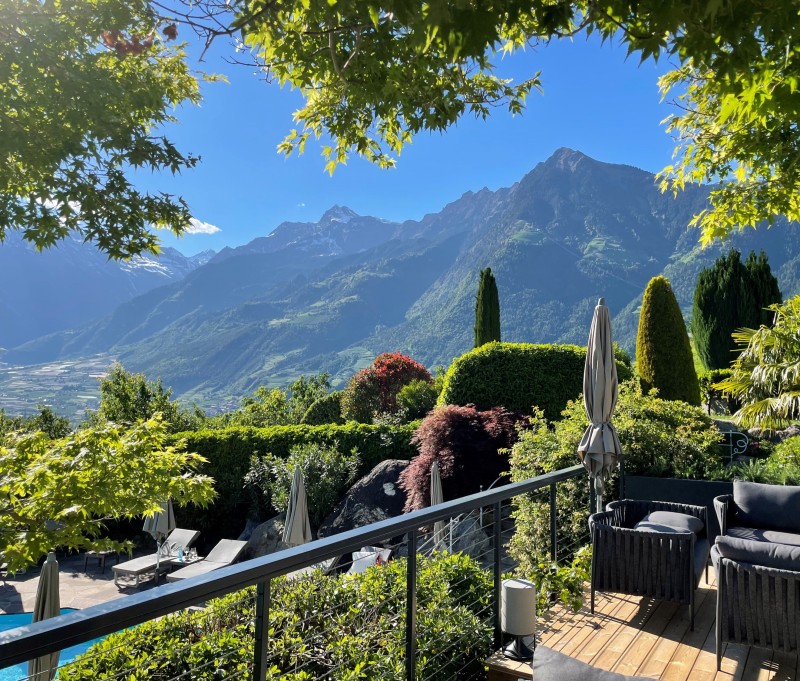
[[330, 295]]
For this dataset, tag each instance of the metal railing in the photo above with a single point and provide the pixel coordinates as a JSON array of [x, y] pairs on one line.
[[35, 640]]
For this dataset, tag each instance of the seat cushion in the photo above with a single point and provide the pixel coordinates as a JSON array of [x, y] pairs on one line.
[[682, 522], [767, 554], [774, 536], [702, 550], [772, 507]]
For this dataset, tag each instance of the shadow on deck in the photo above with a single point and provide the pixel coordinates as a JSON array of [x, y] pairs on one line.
[[639, 636]]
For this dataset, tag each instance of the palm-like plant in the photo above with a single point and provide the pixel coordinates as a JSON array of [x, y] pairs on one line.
[[766, 375]]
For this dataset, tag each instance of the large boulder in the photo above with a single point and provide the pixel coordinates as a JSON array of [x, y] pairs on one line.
[[373, 498], [266, 538]]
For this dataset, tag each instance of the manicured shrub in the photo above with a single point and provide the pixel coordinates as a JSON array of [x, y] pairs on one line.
[[417, 398], [487, 310], [519, 376], [347, 627], [663, 353], [465, 442], [327, 474], [326, 409], [374, 390], [229, 452], [658, 437]]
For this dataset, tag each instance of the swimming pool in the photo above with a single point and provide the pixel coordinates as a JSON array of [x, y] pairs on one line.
[[20, 671]]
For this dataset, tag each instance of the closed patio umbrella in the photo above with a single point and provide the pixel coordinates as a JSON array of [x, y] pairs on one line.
[[437, 497], [160, 525], [599, 448], [47, 605], [297, 529]]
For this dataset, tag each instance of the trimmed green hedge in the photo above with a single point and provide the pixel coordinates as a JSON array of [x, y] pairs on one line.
[[321, 627], [326, 409], [518, 376], [229, 451]]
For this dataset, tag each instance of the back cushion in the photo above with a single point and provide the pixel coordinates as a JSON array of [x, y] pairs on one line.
[[780, 556], [682, 522], [775, 507]]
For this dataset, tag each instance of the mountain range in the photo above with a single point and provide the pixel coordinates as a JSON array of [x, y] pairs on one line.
[[73, 283], [330, 295]]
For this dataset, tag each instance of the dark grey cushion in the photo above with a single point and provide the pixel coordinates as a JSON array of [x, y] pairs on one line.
[[702, 549], [646, 526], [774, 536], [772, 507], [680, 521], [550, 665], [780, 556]]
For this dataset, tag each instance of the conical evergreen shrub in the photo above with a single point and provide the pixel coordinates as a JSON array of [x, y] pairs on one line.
[[487, 310], [728, 296], [663, 353]]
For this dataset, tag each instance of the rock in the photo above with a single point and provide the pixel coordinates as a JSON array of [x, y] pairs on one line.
[[774, 436], [248, 530], [266, 538], [725, 426], [373, 498], [469, 538]]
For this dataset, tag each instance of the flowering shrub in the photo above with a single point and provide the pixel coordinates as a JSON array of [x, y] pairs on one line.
[[466, 443], [374, 390]]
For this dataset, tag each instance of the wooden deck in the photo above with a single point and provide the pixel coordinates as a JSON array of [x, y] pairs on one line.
[[640, 636]]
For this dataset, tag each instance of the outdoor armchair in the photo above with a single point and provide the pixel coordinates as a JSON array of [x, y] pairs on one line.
[[656, 549]]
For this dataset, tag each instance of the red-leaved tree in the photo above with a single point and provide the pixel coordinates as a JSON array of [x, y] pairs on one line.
[[465, 442], [374, 390]]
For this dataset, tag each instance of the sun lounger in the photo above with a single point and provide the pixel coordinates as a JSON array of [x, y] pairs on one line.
[[226, 552], [151, 563]]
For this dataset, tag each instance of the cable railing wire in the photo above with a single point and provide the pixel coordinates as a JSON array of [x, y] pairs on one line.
[[491, 509]]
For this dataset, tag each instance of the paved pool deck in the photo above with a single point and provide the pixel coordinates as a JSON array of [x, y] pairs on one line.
[[78, 589]]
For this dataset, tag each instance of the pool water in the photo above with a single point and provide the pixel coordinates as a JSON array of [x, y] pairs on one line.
[[20, 671]]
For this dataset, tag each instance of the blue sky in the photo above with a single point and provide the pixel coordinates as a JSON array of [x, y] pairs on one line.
[[594, 100]]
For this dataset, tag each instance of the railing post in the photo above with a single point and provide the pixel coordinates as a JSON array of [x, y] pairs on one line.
[[498, 634], [260, 666], [553, 551], [411, 607]]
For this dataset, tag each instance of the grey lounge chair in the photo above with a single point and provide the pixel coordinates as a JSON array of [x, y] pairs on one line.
[[151, 563], [226, 552]]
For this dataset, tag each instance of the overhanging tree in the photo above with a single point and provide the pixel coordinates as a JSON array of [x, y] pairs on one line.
[[487, 310], [59, 494], [84, 86]]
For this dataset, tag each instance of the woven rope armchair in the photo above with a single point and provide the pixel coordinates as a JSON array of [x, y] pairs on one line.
[[664, 565]]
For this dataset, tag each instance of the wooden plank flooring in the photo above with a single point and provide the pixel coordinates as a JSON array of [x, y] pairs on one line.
[[640, 636]]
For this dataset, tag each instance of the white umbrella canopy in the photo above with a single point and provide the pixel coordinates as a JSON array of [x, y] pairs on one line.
[[437, 497], [599, 448], [47, 605], [297, 529]]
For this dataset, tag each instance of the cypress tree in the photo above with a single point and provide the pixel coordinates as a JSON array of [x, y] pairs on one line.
[[730, 295], [764, 287], [663, 353], [487, 310]]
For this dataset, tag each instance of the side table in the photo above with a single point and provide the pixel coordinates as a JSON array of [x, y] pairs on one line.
[[502, 668], [100, 556]]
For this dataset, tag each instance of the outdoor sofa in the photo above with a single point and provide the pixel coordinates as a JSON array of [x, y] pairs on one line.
[[757, 561], [226, 552], [153, 562], [657, 549]]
